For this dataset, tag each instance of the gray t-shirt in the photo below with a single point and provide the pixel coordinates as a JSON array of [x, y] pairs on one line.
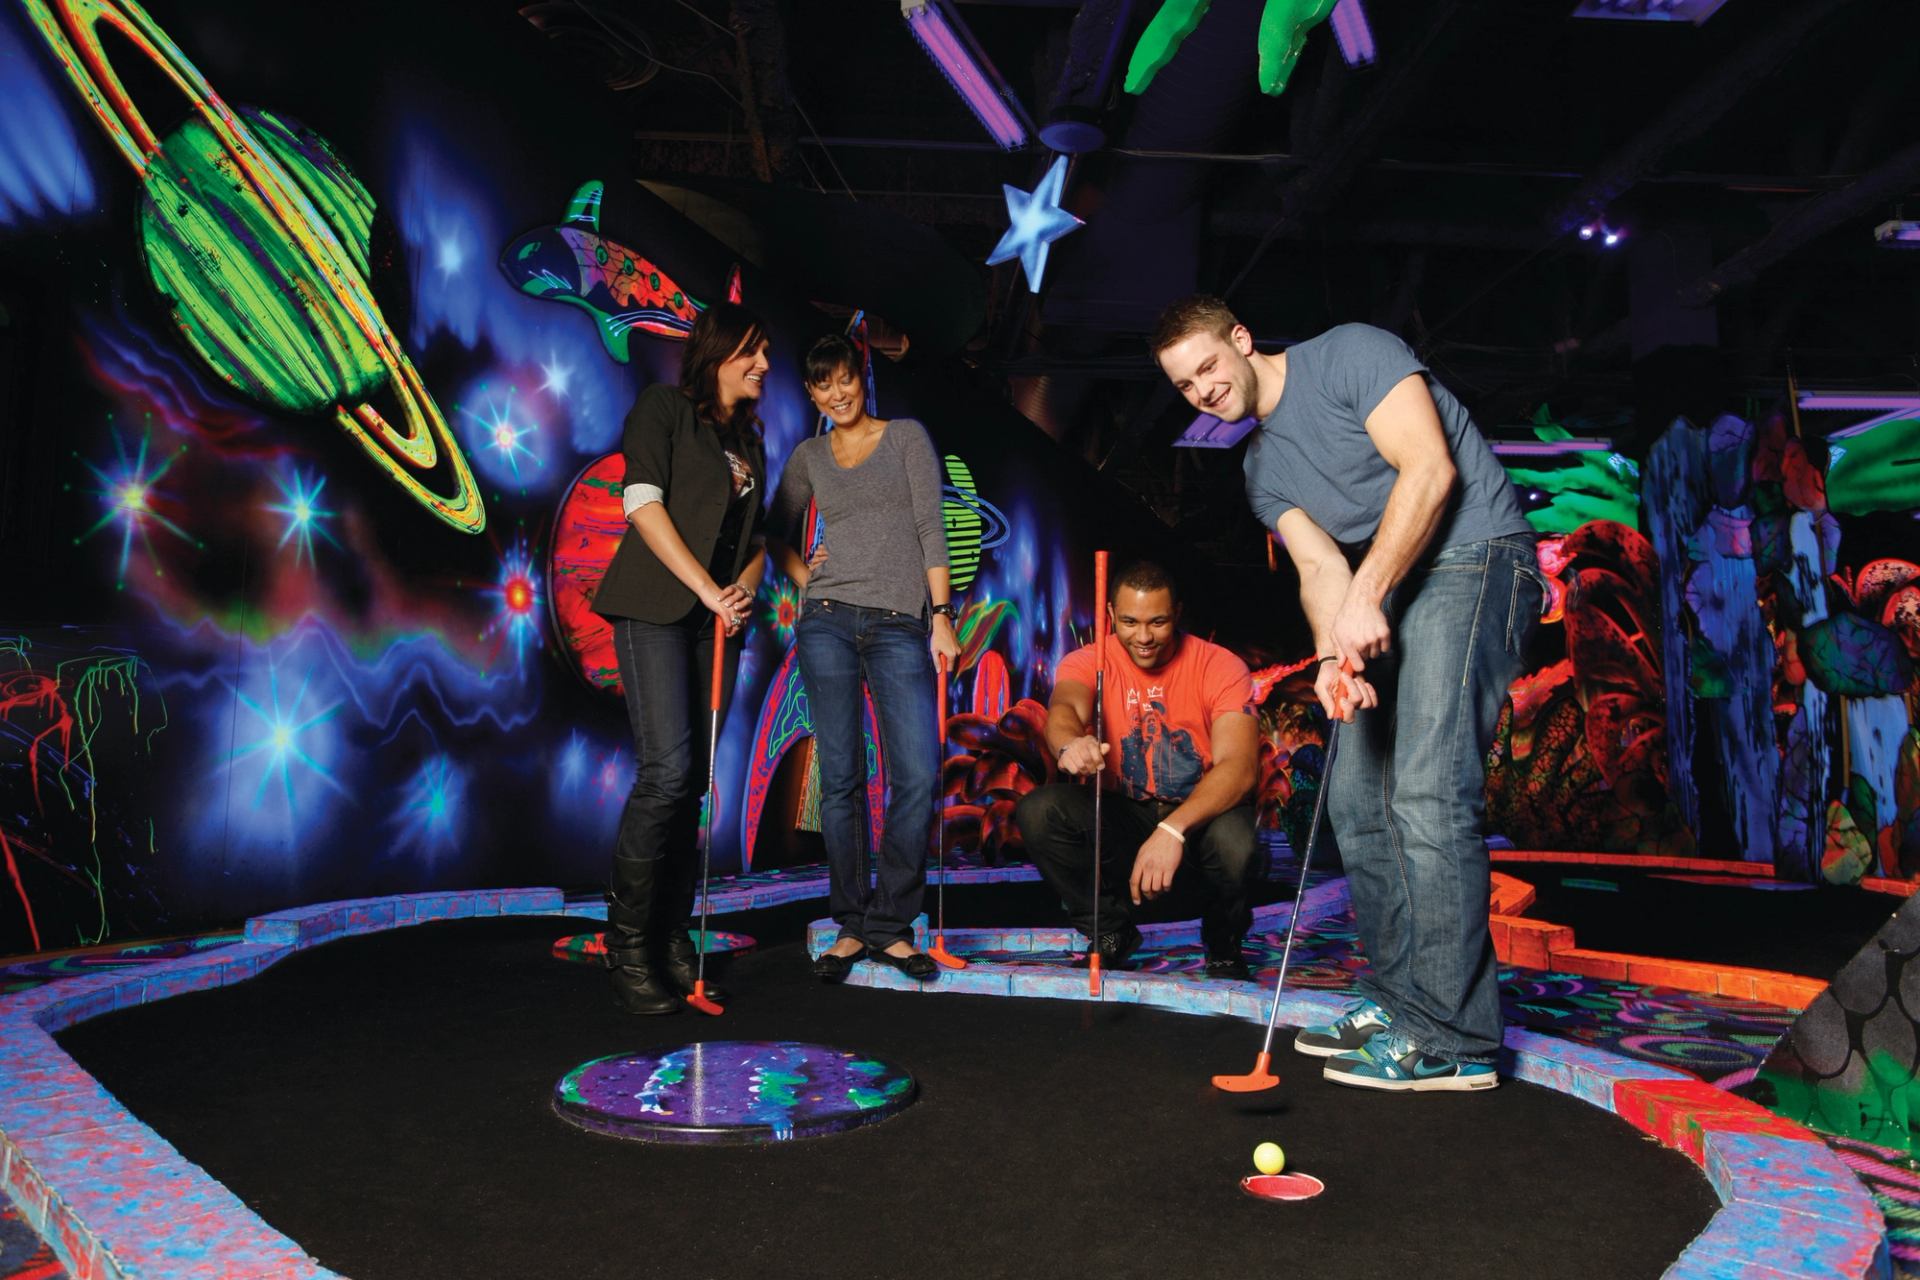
[[1313, 451], [883, 518]]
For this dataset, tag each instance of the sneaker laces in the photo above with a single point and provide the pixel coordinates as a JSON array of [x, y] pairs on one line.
[[1388, 1048], [1352, 1018]]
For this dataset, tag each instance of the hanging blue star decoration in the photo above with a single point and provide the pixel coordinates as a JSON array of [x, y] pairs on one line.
[[1035, 220]]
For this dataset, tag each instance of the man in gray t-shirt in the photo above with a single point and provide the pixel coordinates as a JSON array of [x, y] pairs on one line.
[[1419, 581]]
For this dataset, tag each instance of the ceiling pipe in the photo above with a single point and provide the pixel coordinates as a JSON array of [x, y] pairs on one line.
[[1806, 221], [1695, 111], [760, 69], [1076, 113]]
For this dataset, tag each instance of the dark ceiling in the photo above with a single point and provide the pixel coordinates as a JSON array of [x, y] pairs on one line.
[[1436, 193]]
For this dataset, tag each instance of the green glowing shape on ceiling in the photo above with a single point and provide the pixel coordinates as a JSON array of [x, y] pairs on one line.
[[1283, 33]]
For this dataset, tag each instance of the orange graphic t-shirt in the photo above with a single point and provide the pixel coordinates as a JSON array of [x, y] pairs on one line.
[[1159, 724]]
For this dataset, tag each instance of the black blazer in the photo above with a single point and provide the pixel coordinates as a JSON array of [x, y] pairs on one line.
[[666, 446]]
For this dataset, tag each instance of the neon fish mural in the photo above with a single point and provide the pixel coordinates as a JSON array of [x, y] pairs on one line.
[[573, 263], [256, 234]]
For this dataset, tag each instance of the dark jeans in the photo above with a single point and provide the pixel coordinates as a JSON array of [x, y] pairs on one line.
[[841, 648], [1408, 793], [666, 674], [1056, 821]]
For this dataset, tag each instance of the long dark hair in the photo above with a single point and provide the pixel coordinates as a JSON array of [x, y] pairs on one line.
[[719, 331]]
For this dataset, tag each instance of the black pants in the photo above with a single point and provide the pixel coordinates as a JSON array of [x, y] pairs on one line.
[[1056, 822], [666, 673]]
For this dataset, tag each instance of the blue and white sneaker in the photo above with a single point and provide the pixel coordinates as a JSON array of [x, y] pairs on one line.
[[1357, 1026], [1392, 1062]]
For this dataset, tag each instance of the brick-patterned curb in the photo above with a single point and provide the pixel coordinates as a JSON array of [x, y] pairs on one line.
[[114, 1199]]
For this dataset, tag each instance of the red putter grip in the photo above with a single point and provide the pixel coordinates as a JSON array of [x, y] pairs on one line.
[[719, 659], [940, 700], [1099, 600], [1342, 709]]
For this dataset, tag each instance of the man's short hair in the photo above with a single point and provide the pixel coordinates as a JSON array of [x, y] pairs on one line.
[[1145, 576], [1201, 313]]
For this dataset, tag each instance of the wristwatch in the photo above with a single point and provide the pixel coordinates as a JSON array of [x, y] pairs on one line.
[[944, 608]]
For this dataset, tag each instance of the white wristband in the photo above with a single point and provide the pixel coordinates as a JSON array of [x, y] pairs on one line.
[[1175, 832]]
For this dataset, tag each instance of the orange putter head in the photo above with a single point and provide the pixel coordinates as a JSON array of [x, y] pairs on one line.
[[943, 957], [1253, 1082]]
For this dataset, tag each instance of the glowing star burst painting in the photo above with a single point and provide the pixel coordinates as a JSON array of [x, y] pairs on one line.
[[432, 809], [780, 607], [301, 514], [1035, 220], [502, 433], [281, 739], [129, 491], [517, 602]]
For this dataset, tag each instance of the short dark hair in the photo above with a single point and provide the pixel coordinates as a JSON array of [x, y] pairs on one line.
[[1145, 576], [1201, 313], [827, 357]]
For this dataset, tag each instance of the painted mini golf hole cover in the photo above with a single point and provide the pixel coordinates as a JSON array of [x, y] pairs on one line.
[[591, 948], [732, 1091]]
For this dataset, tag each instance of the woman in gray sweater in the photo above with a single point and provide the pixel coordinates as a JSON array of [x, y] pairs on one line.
[[874, 614]]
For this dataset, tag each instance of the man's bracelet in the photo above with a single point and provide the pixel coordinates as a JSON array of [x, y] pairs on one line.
[[1332, 657], [1173, 831]]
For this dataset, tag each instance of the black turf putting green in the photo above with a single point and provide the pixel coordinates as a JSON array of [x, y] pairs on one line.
[[385, 1102]]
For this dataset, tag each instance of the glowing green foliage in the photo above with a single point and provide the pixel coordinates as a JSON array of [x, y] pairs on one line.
[[1878, 470], [1593, 486], [1855, 657]]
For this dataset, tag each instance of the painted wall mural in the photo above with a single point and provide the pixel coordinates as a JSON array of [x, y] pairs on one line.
[[256, 234], [325, 480], [257, 670]]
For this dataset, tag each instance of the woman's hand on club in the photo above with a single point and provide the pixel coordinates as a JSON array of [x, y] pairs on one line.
[[943, 644], [730, 604]]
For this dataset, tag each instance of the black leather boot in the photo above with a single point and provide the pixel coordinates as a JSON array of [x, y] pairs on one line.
[[677, 957], [632, 937]]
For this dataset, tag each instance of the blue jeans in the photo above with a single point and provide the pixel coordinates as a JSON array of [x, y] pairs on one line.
[[1408, 792], [666, 677], [840, 648]]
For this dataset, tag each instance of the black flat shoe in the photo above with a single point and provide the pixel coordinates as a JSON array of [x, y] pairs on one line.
[[1232, 968], [917, 965], [832, 968]]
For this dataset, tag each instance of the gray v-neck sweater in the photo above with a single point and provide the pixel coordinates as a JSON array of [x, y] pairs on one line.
[[884, 528]]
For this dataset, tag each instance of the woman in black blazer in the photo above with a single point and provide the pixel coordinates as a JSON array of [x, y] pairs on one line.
[[696, 473]]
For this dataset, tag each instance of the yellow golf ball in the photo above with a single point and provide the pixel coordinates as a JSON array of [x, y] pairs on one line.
[[1269, 1158]]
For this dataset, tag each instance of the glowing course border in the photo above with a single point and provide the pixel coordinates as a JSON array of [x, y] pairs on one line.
[[117, 1202]]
